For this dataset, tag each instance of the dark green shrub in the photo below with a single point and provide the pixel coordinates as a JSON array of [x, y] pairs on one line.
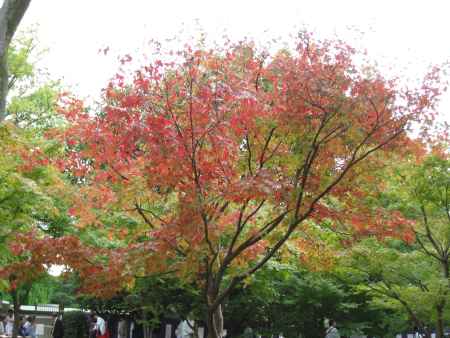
[[75, 324]]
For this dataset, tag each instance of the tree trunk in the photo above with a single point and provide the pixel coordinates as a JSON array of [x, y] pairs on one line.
[[214, 323], [214, 316], [440, 307], [145, 327], [11, 14], [16, 302], [412, 315], [439, 321], [3, 85], [427, 332], [195, 329]]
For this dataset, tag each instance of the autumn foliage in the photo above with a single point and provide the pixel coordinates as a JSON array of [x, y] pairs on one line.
[[34, 252], [219, 157]]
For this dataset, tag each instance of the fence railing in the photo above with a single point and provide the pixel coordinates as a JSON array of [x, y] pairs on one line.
[[49, 308]]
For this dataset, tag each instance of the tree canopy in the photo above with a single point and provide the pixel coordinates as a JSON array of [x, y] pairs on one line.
[[216, 182], [208, 164]]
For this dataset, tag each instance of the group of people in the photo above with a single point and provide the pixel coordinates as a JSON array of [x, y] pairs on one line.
[[27, 326], [7, 323]]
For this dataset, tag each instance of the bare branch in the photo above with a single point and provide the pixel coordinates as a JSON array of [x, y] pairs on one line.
[[436, 245], [249, 157], [266, 146]]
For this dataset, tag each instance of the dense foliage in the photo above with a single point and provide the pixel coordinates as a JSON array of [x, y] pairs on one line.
[[75, 324], [244, 190], [208, 165]]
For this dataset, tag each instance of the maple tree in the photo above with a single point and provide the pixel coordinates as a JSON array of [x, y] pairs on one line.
[[27, 262], [400, 279], [33, 210], [412, 277], [31, 253], [219, 157], [423, 194], [421, 190]]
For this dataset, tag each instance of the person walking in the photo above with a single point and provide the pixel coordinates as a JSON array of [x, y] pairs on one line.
[[100, 326], [9, 323], [122, 328], [29, 328], [2, 325], [58, 327], [25, 326], [332, 331]]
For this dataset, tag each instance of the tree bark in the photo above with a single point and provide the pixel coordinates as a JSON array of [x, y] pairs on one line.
[[145, 327], [16, 302], [439, 321], [427, 333], [215, 323], [195, 329], [440, 307], [214, 316], [11, 14], [445, 269]]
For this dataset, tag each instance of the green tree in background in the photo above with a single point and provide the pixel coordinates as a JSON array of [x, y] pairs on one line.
[[424, 194], [32, 94], [400, 279], [31, 199], [412, 277], [11, 13], [31, 190], [287, 298]]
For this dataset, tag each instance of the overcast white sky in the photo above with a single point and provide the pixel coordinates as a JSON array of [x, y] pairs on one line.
[[408, 34]]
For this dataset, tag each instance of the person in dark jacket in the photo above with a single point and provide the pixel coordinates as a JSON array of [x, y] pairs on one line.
[[58, 327], [21, 330], [92, 325]]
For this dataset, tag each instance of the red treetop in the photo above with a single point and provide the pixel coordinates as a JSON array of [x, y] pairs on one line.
[[223, 156]]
